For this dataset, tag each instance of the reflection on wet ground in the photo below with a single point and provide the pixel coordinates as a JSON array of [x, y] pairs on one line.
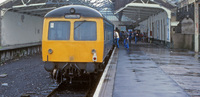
[[138, 75], [183, 66]]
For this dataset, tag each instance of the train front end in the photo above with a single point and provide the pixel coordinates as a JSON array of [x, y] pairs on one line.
[[72, 42]]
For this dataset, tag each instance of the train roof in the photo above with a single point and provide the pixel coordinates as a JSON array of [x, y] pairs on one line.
[[84, 11]]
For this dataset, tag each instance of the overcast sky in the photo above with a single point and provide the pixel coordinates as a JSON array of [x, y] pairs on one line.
[[95, 0], [2, 1]]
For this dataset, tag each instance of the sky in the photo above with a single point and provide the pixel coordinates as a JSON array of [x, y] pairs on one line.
[[101, 0], [2, 1], [174, 1]]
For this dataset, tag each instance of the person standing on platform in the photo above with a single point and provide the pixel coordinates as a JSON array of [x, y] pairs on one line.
[[126, 39], [130, 37], [116, 36], [136, 35], [120, 37]]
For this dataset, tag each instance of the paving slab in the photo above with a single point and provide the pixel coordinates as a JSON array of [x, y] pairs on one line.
[[183, 66], [138, 75]]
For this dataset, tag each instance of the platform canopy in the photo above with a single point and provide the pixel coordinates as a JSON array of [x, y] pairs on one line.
[[139, 10], [41, 7], [125, 10]]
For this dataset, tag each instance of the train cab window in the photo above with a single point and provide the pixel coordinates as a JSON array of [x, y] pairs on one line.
[[59, 30], [85, 30]]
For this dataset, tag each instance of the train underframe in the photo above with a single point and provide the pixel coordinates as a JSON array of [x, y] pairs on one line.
[[61, 71]]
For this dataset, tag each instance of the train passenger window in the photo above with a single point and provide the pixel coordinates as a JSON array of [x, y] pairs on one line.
[[85, 30], [59, 30]]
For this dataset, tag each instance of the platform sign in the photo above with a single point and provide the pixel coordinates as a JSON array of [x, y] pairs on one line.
[[123, 28]]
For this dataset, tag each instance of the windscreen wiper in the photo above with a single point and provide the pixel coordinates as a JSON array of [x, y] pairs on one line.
[[79, 24]]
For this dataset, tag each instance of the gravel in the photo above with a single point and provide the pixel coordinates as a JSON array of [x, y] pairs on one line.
[[24, 76]]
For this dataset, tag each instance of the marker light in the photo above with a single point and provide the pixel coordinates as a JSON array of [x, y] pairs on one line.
[[94, 58]]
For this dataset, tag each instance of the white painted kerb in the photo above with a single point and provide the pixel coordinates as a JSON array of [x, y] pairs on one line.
[[98, 90]]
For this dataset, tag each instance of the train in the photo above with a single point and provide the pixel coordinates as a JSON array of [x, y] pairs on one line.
[[75, 42]]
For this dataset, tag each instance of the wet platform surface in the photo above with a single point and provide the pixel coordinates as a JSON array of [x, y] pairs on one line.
[[149, 70]]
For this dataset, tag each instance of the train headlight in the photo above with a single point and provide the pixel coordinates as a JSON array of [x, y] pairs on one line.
[[72, 10], [50, 51], [93, 51]]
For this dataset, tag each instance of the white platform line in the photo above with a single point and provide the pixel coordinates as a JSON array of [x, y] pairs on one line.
[[98, 90]]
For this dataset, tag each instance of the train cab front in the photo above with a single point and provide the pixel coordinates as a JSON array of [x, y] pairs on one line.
[[72, 42]]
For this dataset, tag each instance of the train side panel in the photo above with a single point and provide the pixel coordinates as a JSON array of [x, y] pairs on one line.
[[108, 37]]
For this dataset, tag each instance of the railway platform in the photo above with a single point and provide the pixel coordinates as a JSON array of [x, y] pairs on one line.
[[151, 70], [148, 70], [139, 76]]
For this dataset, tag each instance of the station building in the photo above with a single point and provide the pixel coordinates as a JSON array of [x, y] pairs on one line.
[[164, 23]]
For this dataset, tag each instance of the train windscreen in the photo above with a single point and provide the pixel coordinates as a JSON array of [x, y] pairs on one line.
[[85, 30], [59, 30]]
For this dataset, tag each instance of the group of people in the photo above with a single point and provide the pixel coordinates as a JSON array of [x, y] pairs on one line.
[[126, 37]]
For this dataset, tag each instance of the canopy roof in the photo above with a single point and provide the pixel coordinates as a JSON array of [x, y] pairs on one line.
[[141, 11], [41, 7], [84, 11], [125, 10]]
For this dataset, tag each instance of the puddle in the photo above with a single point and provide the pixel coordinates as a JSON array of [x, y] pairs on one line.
[[194, 91], [187, 74], [139, 59], [136, 70], [179, 50], [153, 67], [176, 64], [138, 62], [193, 74], [106, 80]]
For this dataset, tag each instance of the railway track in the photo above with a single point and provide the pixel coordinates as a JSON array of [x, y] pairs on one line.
[[79, 89], [66, 90]]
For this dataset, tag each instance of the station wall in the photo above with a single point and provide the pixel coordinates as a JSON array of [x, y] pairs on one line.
[[17, 28], [159, 25], [186, 27]]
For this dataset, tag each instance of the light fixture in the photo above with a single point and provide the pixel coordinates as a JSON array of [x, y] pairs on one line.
[[50, 51], [72, 10]]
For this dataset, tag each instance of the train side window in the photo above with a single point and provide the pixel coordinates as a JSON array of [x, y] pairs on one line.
[[85, 30], [59, 30], [104, 31]]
